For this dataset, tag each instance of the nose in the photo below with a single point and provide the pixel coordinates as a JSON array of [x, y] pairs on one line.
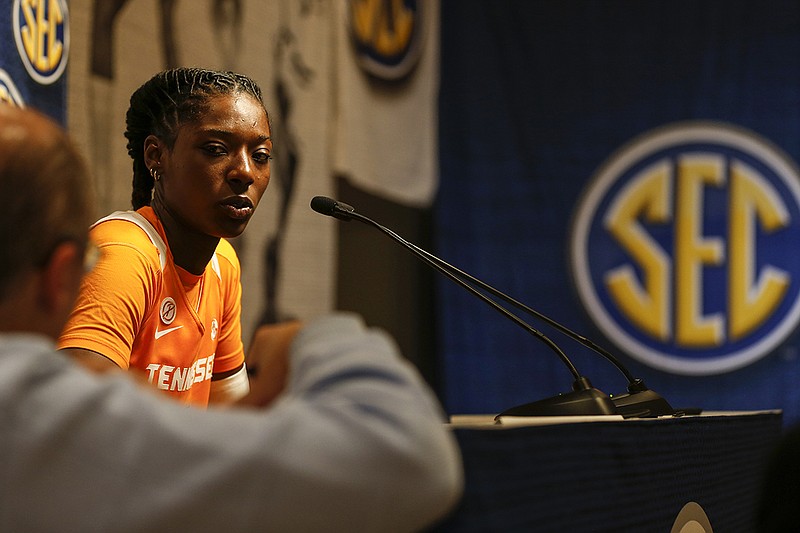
[[242, 170]]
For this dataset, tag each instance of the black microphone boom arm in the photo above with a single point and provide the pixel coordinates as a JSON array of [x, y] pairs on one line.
[[583, 399]]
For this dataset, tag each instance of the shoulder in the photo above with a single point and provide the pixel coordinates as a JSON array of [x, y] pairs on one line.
[[227, 256], [123, 234]]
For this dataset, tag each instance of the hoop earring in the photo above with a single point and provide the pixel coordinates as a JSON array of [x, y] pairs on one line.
[[155, 174]]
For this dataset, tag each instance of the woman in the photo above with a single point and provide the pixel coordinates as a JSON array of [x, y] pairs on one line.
[[165, 295]]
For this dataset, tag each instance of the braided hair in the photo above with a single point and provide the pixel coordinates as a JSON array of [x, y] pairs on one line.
[[165, 102]]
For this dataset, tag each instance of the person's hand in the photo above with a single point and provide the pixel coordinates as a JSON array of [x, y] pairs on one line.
[[268, 362]]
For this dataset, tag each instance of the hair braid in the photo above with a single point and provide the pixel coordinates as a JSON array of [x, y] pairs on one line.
[[162, 104]]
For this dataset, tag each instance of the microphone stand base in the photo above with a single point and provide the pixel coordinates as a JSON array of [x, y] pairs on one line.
[[642, 404], [585, 402]]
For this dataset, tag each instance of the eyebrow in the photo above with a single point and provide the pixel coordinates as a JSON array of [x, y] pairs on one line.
[[215, 131]]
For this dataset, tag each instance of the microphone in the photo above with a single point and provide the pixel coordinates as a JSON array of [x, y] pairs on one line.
[[583, 399], [332, 208]]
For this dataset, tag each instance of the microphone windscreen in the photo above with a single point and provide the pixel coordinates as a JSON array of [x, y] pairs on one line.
[[323, 205]]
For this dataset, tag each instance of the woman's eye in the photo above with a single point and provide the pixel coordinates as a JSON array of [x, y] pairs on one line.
[[262, 157], [215, 149]]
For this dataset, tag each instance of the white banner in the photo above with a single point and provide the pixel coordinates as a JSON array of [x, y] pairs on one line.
[[387, 81], [119, 44]]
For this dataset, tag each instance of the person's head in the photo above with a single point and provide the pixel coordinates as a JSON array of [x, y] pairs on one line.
[[200, 144], [44, 222]]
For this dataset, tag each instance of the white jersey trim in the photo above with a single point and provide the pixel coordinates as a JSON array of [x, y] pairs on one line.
[[228, 390], [147, 227]]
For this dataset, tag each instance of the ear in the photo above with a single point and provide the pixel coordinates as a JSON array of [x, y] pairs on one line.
[[154, 149], [61, 279]]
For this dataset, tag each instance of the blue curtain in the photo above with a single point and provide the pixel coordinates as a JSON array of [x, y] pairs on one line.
[[535, 98]]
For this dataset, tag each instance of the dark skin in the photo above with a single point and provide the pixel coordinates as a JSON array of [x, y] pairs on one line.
[[211, 181], [213, 177]]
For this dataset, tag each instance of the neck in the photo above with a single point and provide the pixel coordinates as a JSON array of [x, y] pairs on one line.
[[191, 250]]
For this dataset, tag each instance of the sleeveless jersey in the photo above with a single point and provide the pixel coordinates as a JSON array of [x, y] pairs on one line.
[[142, 311]]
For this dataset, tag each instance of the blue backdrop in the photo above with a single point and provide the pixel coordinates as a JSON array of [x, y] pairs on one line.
[[536, 99]]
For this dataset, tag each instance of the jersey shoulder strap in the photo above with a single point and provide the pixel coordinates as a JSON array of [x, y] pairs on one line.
[[145, 225]]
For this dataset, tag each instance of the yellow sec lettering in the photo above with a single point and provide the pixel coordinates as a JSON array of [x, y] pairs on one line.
[[395, 30], [39, 58], [692, 251], [28, 31], [52, 56], [752, 201], [40, 33], [385, 27], [362, 15], [648, 196]]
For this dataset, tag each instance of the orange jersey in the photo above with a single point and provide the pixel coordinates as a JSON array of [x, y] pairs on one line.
[[142, 311]]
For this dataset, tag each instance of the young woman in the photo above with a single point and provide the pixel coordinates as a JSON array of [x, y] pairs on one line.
[[165, 295]]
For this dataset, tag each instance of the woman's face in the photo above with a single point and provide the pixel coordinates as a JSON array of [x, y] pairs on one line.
[[218, 169]]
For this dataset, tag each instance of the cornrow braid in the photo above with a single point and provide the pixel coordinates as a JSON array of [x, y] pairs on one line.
[[165, 102]]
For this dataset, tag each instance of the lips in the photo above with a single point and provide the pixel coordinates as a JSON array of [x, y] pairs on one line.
[[239, 207]]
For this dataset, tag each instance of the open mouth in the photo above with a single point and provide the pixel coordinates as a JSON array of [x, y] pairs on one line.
[[239, 207]]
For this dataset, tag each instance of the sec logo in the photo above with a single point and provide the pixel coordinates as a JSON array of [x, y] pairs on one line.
[[41, 31], [387, 36], [685, 248]]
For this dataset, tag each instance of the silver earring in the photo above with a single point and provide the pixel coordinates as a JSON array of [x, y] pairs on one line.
[[155, 174]]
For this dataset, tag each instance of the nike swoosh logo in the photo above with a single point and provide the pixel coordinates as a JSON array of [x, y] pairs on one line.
[[163, 332]]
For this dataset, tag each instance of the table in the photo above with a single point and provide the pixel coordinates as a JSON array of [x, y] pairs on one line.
[[611, 474]]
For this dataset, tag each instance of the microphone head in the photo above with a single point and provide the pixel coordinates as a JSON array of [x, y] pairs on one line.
[[323, 205], [332, 208]]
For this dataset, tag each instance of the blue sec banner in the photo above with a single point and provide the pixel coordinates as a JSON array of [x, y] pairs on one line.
[[628, 169], [34, 52]]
